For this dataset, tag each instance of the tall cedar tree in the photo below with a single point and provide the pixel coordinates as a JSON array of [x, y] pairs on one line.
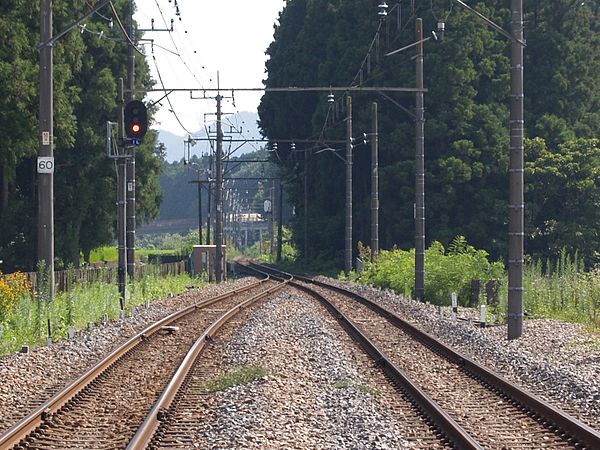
[[86, 69], [324, 42]]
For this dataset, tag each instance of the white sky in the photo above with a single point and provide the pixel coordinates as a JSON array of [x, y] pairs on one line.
[[229, 36]]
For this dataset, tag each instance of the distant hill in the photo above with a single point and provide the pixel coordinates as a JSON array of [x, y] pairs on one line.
[[245, 121]]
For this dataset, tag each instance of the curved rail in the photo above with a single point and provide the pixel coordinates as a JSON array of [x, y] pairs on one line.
[[160, 410], [562, 421], [442, 420], [30, 423]]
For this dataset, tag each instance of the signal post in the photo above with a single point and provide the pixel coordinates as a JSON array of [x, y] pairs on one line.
[[133, 125]]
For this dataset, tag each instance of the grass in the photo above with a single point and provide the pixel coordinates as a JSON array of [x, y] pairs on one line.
[[346, 383], [236, 377], [562, 290], [27, 322]]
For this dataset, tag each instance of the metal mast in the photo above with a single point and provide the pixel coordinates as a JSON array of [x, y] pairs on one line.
[[348, 252], [420, 172], [516, 232]]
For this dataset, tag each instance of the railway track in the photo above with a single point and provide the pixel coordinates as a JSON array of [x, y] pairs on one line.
[[104, 407], [471, 406]]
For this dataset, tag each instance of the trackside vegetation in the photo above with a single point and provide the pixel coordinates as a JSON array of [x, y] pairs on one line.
[[447, 270], [24, 317], [558, 289]]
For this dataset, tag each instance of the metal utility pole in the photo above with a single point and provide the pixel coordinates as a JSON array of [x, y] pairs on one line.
[[374, 184], [280, 222], [219, 196], [122, 204], [420, 171], [516, 230], [45, 178], [130, 162], [348, 252]]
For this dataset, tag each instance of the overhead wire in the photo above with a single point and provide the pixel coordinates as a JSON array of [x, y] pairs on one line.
[[172, 110], [177, 51], [128, 38]]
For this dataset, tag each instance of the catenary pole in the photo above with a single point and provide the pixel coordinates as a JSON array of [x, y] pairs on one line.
[[130, 165], [306, 256], [374, 184], [209, 206], [280, 222], [121, 204], [199, 210], [516, 199], [219, 197], [420, 171], [45, 231], [272, 223], [348, 249]]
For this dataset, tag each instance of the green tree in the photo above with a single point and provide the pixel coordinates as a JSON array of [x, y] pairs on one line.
[[563, 198], [86, 68], [324, 42]]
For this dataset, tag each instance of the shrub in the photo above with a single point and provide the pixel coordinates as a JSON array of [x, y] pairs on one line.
[[446, 271]]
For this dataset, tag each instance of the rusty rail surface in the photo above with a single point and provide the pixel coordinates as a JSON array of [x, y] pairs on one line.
[[160, 411], [571, 426], [30, 423], [430, 408]]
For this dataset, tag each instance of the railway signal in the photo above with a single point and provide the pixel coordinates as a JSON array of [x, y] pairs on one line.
[[136, 120]]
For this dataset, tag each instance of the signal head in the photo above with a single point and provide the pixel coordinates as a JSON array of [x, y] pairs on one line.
[[136, 119]]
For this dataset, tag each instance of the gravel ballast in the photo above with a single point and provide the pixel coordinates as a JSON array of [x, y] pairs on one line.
[[315, 394], [328, 399], [28, 379], [558, 361]]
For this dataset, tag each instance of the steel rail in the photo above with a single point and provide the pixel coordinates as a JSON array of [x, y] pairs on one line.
[[427, 405], [562, 421], [14, 435], [160, 410]]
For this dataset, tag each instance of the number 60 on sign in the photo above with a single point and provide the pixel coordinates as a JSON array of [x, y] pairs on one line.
[[45, 164]]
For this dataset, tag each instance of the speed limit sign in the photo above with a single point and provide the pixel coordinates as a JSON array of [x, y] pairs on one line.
[[45, 164]]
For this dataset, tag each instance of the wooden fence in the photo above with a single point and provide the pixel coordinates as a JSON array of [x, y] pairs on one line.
[[64, 279]]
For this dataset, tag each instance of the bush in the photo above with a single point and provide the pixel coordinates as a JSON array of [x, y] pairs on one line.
[[445, 271]]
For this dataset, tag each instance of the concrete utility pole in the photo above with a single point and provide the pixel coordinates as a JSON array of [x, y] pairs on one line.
[[374, 184], [209, 206], [45, 178], [516, 229], [420, 171], [348, 252], [130, 164], [199, 183], [199, 210], [272, 223], [306, 204], [122, 203], [280, 222], [219, 196]]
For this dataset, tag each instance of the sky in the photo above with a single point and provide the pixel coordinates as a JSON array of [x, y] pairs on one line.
[[225, 36]]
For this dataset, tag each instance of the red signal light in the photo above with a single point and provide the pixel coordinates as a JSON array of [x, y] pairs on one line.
[[136, 128]]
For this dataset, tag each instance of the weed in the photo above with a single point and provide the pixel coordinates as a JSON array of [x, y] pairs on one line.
[[237, 377], [345, 383], [26, 322]]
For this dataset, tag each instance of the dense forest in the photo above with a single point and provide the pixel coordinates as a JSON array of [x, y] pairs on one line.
[[341, 43], [87, 65]]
